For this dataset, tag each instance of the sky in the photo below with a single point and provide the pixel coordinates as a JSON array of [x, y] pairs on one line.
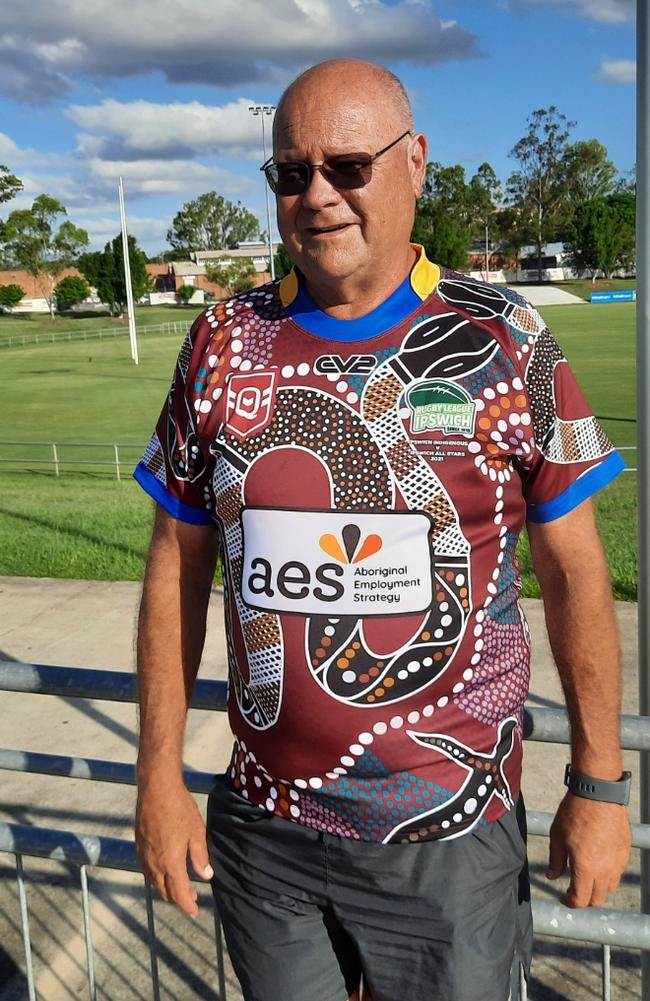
[[159, 93]]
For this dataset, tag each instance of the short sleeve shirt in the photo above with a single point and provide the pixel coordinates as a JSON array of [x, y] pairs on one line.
[[369, 480]]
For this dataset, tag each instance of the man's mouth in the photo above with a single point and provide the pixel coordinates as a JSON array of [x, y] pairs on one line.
[[322, 230]]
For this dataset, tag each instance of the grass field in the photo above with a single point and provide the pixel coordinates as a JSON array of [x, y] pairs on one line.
[[583, 287], [87, 525], [40, 323]]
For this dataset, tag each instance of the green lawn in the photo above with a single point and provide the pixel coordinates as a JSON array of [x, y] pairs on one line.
[[584, 286], [40, 323], [87, 525]]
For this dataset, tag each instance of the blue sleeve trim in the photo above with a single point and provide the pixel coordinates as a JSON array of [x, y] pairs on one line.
[[585, 486], [171, 504]]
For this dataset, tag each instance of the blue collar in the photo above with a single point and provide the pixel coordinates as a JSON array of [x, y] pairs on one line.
[[304, 311]]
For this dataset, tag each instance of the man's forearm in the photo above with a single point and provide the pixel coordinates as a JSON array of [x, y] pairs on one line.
[[170, 643], [583, 634]]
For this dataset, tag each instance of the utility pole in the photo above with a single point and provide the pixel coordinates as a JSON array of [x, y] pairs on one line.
[[262, 110], [127, 275], [643, 418]]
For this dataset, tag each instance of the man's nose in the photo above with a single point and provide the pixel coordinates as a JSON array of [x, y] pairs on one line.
[[319, 190]]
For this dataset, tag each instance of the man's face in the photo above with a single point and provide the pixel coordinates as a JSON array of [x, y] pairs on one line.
[[333, 233]]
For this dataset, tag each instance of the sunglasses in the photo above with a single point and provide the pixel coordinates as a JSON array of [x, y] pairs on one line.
[[346, 171]]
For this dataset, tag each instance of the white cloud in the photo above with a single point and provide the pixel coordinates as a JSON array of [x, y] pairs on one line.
[[606, 11], [182, 177], [148, 230], [44, 44], [11, 153], [618, 70], [147, 127]]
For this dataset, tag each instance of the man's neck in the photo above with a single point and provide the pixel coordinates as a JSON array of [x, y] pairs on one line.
[[350, 298]]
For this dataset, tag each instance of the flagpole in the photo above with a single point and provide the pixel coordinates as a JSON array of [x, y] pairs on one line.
[[127, 276]]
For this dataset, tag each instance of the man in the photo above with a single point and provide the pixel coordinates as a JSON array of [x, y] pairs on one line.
[[370, 435]]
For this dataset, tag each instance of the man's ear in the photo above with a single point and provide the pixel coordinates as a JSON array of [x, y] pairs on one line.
[[418, 162]]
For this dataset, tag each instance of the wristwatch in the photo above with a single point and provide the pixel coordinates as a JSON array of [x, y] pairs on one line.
[[603, 790]]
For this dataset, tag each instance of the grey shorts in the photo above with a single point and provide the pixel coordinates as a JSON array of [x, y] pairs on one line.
[[307, 914]]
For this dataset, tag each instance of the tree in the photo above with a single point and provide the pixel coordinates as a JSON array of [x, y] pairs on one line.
[[211, 222], [443, 215], [105, 270], [90, 265], [601, 236], [185, 293], [484, 195], [238, 276], [282, 261], [539, 188], [10, 185], [71, 290], [10, 295], [626, 183], [589, 174], [33, 241], [511, 232]]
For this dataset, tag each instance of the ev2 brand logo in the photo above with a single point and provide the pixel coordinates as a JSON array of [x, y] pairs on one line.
[[330, 562], [354, 365]]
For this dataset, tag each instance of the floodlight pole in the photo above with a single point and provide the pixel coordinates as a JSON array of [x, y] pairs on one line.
[[643, 423], [127, 276], [262, 110]]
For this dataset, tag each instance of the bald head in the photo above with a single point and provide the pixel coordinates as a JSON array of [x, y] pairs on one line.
[[340, 82], [348, 228]]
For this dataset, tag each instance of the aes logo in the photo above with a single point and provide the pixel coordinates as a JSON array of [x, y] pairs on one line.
[[315, 562], [354, 365], [293, 579]]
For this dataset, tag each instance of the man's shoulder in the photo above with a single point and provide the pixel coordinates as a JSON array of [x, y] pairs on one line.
[[489, 303], [262, 305]]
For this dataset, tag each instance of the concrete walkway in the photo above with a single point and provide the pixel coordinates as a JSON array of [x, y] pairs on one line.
[[91, 624], [548, 295]]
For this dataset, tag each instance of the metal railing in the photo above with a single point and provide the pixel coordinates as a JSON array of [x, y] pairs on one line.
[[628, 448], [57, 458], [176, 327], [550, 918]]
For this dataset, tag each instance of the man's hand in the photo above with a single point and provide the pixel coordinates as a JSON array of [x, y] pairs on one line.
[[168, 830], [595, 839]]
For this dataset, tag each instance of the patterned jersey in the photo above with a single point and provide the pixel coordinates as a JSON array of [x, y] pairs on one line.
[[369, 493]]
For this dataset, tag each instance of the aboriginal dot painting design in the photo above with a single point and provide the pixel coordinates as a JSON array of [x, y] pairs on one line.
[[504, 608], [401, 702], [369, 803], [559, 440], [367, 455]]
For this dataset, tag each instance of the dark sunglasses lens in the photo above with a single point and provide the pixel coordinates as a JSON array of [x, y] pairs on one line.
[[350, 171], [288, 178]]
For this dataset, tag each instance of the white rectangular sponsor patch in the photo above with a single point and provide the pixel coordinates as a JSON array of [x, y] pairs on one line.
[[331, 563]]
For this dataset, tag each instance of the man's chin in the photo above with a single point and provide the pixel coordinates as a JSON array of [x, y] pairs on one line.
[[331, 264]]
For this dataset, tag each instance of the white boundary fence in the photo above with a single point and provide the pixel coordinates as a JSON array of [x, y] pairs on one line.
[[110, 454], [52, 454], [176, 327]]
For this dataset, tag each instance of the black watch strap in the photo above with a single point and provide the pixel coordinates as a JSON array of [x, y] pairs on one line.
[[603, 790]]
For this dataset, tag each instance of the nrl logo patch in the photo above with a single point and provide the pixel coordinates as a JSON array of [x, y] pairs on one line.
[[249, 403], [441, 405]]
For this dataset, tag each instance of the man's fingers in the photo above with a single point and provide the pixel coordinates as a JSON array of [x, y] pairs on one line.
[[181, 892], [557, 856], [198, 852], [599, 893], [579, 891]]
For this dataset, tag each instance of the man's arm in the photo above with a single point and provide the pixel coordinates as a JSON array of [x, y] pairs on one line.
[[178, 579], [594, 837]]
